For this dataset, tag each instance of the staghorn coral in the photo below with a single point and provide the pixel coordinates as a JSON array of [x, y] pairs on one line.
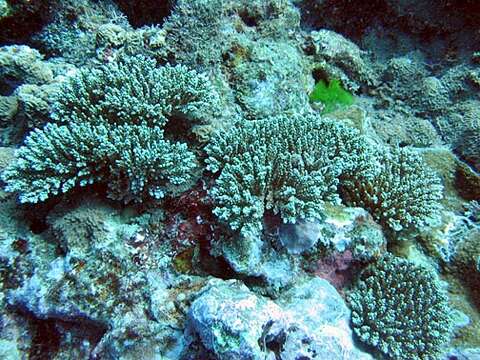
[[401, 309], [135, 161], [292, 165], [289, 165], [110, 129]]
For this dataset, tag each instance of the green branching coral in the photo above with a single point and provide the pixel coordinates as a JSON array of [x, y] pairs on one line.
[[401, 309], [403, 193], [289, 165], [109, 128]]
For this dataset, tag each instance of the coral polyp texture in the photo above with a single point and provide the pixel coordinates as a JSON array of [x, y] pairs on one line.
[[289, 165], [403, 193], [109, 128], [292, 165], [134, 90], [401, 309]]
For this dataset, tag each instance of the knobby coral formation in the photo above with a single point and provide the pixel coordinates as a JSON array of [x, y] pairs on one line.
[[109, 128], [401, 309]]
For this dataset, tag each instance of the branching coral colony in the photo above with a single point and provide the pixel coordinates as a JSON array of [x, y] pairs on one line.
[[401, 309], [109, 128], [291, 165]]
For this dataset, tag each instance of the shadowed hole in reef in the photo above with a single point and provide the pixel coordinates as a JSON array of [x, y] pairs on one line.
[[247, 18], [36, 215], [146, 12], [25, 20], [275, 343], [457, 22], [8, 85], [349, 18], [320, 75], [45, 341], [48, 335], [178, 129], [38, 225]]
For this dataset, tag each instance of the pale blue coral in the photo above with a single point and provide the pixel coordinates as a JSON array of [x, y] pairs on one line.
[[109, 128], [135, 90], [402, 310], [403, 193], [135, 161], [290, 165]]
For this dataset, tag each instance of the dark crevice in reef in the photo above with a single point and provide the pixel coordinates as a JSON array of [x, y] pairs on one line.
[[320, 75], [49, 334], [46, 340], [467, 182], [470, 9], [146, 12], [353, 18], [349, 18], [216, 266], [439, 27], [472, 282], [36, 215], [8, 85], [176, 128], [248, 19], [26, 18]]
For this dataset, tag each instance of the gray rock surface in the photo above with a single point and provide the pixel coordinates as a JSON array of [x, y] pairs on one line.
[[309, 320], [342, 59], [342, 228]]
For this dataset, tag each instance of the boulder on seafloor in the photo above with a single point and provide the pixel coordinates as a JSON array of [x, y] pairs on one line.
[[309, 320], [257, 258]]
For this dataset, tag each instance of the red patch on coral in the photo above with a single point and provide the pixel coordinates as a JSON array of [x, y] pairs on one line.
[[337, 269], [190, 219]]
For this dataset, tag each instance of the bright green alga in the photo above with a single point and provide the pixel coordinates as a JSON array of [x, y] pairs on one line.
[[331, 96]]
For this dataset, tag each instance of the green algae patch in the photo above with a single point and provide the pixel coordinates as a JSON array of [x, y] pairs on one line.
[[331, 95]]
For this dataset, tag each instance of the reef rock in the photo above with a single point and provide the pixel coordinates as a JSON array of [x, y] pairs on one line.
[[309, 320]]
